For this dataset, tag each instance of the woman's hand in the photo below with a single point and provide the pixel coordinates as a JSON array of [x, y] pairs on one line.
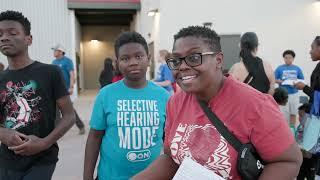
[[299, 85]]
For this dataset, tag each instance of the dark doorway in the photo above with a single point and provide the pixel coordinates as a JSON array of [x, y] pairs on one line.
[[105, 16], [99, 29], [230, 48]]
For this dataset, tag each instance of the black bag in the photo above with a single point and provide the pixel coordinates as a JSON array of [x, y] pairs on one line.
[[249, 163]]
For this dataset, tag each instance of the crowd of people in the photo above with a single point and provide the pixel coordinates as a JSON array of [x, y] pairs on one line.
[[134, 119]]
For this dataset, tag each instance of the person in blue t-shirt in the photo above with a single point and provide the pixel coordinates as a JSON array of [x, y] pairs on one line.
[[66, 66], [128, 117], [164, 75], [286, 74]]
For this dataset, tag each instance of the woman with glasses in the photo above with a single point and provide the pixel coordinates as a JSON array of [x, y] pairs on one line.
[[251, 116], [251, 69]]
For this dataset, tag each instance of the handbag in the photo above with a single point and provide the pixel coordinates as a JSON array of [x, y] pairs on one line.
[[249, 163]]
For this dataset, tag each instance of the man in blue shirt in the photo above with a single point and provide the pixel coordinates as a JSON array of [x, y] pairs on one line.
[[128, 117], [286, 75], [164, 75], [66, 66]]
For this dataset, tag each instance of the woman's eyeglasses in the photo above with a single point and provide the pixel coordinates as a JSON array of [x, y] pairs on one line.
[[191, 60]]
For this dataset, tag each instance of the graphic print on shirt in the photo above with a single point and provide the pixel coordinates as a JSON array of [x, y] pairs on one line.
[[20, 104], [211, 150], [138, 124], [289, 75]]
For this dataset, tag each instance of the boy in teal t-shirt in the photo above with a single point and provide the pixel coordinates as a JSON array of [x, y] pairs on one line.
[[128, 116]]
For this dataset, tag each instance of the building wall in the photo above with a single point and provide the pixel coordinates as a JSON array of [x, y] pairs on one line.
[[145, 25], [94, 53], [280, 25], [50, 24]]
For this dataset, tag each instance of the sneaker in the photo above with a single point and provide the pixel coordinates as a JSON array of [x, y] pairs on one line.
[[82, 131]]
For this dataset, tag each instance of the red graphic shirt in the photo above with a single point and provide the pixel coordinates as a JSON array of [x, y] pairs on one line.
[[250, 115]]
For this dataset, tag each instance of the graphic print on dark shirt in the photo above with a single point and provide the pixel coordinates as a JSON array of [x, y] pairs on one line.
[[28, 105], [22, 104]]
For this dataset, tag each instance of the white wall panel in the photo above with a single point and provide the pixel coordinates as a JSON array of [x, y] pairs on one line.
[[50, 24], [280, 24]]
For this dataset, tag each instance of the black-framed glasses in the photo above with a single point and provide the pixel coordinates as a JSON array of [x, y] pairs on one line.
[[191, 60]]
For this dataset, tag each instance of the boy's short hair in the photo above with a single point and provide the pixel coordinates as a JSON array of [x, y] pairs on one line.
[[18, 17], [305, 107], [130, 37], [208, 35], [280, 95], [290, 52]]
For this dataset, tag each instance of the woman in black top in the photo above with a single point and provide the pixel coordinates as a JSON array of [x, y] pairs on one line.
[[315, 76], [309, 165], [106, 75], [252, 70]]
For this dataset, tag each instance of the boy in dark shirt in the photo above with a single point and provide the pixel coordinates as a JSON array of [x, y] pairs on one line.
[[29, 93]]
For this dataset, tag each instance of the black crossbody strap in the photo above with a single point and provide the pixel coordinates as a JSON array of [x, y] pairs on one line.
[[223, 130], [248, 78]]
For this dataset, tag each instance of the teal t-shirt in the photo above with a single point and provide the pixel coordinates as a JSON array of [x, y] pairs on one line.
[[133, 120]]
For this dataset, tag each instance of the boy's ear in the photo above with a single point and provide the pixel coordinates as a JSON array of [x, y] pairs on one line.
[[28, 40]]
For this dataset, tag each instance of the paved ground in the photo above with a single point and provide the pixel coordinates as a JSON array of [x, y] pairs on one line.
[[72, 145]]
